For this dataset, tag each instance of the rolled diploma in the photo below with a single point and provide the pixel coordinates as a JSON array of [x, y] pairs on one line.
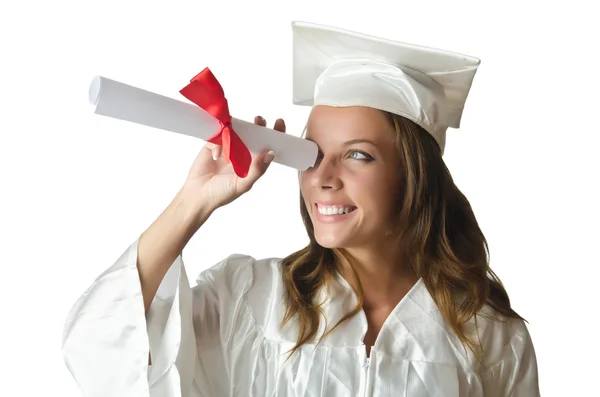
[[125, 102]]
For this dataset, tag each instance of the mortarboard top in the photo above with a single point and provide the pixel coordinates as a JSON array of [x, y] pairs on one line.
[[338, 67]]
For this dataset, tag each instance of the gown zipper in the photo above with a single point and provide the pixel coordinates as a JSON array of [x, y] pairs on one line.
[[366, 365]]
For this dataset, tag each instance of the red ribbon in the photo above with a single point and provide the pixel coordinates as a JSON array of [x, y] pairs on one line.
[[205, 91]]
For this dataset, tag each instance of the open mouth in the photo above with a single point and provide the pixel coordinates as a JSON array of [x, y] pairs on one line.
[[335, 209]]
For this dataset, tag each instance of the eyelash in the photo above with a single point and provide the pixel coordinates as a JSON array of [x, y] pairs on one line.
[[368, 158]]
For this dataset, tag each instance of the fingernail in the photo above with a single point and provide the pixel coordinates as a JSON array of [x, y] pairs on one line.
[[269, 157], [216, 154]]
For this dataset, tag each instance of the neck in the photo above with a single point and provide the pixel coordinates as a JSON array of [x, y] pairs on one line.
[[383, 276]]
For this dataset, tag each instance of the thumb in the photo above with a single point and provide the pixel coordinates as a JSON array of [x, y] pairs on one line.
[[258, 167]]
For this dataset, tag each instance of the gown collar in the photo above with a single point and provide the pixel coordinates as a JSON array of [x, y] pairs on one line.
[[340, 299], [412, 318]]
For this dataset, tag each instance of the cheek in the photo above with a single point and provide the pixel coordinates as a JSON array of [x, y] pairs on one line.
[[374, 193]]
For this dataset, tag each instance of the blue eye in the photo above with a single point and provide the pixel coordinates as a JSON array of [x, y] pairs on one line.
[[352, 154], [358, 155]]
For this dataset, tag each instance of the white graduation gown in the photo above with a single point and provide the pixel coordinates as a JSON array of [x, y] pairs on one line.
[[223, 338]]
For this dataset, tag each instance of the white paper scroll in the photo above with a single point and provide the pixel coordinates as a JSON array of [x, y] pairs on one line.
[[124, 102]]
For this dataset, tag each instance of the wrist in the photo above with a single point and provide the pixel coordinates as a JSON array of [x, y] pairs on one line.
[[191, 209]]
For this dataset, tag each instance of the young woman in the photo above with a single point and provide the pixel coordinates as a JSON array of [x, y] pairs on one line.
[[393, 296]]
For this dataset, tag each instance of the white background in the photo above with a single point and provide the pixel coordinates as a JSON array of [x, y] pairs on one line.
[[78, 188]]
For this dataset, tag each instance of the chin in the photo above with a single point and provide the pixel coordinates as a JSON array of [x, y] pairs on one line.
[[332, 239], [328, 242]]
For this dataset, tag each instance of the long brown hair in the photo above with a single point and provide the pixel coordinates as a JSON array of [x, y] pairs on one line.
[[439, 238]]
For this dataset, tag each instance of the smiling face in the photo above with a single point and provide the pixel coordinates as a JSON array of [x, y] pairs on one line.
[[351, 192]]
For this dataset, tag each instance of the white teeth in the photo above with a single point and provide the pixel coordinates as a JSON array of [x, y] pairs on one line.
[[333, 210]]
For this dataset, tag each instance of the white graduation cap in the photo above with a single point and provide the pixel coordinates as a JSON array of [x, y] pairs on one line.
[[337, 67]]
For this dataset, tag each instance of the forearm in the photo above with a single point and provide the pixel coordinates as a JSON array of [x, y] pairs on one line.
[[165, 239]]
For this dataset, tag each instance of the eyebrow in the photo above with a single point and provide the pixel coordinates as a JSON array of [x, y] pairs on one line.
[[353, 141]]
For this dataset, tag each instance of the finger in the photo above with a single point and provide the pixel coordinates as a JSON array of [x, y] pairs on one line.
[[209, 146], [279, 125], [259, 166], [216, 152], [259, 120]]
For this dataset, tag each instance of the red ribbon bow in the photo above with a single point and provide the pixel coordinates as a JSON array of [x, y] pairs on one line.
[[205, 91]]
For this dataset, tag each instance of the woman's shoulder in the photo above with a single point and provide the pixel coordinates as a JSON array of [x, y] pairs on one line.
[[501, 336], [239, 272], [248, 289], [493, 325]]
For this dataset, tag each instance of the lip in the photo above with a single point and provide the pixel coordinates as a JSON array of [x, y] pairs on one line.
[[332, 218], [330, 203]]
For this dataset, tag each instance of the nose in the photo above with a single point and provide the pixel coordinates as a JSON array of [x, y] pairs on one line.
[[326, 175]]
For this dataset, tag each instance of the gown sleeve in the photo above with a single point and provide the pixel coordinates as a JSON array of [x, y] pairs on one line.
[[515, 374], [108, 336]]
